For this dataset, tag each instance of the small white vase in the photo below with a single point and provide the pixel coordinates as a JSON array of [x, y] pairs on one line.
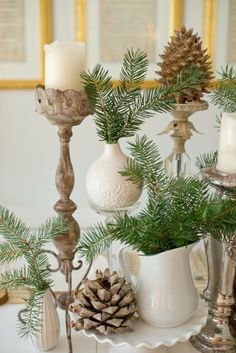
[[106, 188], [165, 291], [48, 336]]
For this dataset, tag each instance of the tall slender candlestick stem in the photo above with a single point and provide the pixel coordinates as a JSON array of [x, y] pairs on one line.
[[65, 206], [65, 109]]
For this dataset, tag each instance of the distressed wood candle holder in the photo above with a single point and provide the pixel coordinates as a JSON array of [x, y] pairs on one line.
[[219, 333], [64, 109]]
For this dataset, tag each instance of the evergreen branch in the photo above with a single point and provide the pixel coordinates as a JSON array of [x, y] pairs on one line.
[[220, 219], [133, 171], [99, 88], [53, 227], [224, 96], [147, 167], [120, 111], [134, 69], [20, 242], [191, 77], [206, 160], [94, 242], [31, 315], [13, 230], [179, 211], [15, 278], [228, 74], [9, 253]]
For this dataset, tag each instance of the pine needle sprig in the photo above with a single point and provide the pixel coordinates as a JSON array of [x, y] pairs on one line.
[[206, 160], [30, 314], [179, 211], [100, 92], [120, 111], [146, 161], [20, 242], [228, 73], [11, 253], [95, 241], [134, 69], [15, 278], [224, 95]]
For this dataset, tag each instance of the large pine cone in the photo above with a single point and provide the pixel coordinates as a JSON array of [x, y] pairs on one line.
[[106, 304], [183, 51]]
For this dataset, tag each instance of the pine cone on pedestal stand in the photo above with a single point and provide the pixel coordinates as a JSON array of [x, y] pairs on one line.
[[106, 304], [183, 51]]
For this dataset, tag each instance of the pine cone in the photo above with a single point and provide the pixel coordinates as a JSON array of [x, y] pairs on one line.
[[106, 304], [183, 51]]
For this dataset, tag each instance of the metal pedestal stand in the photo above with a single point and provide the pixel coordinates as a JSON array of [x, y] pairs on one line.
[[178, 164], [219, 334]]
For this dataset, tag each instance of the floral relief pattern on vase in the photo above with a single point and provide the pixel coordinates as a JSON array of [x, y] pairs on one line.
[[106, 187]]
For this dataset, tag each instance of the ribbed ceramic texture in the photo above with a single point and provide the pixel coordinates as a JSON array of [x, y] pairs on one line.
[[49, 335], [148, 336]]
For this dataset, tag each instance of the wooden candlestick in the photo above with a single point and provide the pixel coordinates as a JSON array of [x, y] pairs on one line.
[[65, 109]]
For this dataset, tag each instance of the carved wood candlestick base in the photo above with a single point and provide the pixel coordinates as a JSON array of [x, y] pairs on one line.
[[65, 109]]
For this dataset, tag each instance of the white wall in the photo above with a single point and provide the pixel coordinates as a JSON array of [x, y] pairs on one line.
[[29, 146]]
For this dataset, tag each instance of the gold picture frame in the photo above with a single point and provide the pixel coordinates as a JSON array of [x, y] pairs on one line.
[[175, 22], [209, 28], [45, 36]]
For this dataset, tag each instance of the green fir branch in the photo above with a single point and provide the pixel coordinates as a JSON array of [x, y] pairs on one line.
[[224, 95], [15, 278], [31, 315], [9, 253], [178, 212], [206, 160], [20, 242], [95, 241], [134, 69], [120, 111], [228, 73], [145, 164]]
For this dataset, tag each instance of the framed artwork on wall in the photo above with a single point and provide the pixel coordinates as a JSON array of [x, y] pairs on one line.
[[110, 27], [25, 26], [225, 34]]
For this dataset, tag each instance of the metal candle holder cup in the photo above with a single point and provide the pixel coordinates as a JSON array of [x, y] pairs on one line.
[[65, 109], [219, 333]]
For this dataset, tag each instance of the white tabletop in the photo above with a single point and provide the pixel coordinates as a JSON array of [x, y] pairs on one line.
[[11, 343]]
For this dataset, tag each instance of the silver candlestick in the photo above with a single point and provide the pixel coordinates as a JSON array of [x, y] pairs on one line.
[[219, 333]]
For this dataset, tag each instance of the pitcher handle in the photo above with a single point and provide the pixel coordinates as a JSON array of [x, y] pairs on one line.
[[124, 268]]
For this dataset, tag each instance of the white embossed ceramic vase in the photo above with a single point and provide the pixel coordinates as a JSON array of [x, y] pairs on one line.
[[165, 291], [48, 336], [106, 188]]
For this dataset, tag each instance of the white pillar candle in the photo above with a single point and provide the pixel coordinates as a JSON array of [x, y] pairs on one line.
[[227, 144], [64, 62]]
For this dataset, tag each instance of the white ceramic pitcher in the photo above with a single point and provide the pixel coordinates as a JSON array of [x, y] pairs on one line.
[[165, 291]]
